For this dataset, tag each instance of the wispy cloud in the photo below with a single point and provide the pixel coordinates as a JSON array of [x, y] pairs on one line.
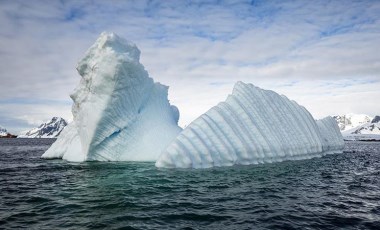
[[323, 54]]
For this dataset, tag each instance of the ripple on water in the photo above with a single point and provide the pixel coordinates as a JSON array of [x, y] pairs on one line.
[[333, 192]]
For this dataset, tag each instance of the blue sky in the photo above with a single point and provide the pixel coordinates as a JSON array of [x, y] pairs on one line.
[[323, 54]]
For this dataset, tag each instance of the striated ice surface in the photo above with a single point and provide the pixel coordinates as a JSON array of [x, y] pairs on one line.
[[252, 126], [120, 113]]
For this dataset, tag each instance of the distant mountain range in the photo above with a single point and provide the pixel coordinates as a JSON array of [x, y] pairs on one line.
[[352, 126], [49, 129], [350, 121], [359, 126]]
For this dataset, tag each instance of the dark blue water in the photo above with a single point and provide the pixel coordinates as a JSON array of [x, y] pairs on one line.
[[339, 191]]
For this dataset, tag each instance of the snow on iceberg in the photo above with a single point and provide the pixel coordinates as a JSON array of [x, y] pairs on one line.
[[252, 126], [119, 112]]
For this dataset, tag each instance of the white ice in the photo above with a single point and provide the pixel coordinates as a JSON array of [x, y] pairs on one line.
[[252, 126], [119, 112]]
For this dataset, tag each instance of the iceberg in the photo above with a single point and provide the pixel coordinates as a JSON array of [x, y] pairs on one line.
[[119, 112], [252, 126]]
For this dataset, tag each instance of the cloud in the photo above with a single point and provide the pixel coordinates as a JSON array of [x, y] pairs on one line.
[[23, 116], [323, 54]]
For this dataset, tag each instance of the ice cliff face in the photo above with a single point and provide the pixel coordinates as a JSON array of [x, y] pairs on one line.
[[252, 126], [119, 113], [49, 129]]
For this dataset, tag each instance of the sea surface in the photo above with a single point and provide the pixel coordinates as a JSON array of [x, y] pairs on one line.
[[340, 191]]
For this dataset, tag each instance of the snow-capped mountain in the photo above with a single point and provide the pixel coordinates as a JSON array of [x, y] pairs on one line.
[[367, 131], [350, 121], [49, 129], [3, 131]]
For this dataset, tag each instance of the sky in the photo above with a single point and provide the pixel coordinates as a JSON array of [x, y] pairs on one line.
[[322, 54]]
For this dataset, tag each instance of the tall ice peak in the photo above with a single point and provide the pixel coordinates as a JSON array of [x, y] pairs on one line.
[[120, 45], [108, 44], [119, 112]]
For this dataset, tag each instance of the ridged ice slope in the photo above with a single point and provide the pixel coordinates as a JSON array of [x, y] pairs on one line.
[[120, 113], [252, 126]]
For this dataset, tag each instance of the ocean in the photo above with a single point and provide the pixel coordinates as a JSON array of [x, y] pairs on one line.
[[340, 191]]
